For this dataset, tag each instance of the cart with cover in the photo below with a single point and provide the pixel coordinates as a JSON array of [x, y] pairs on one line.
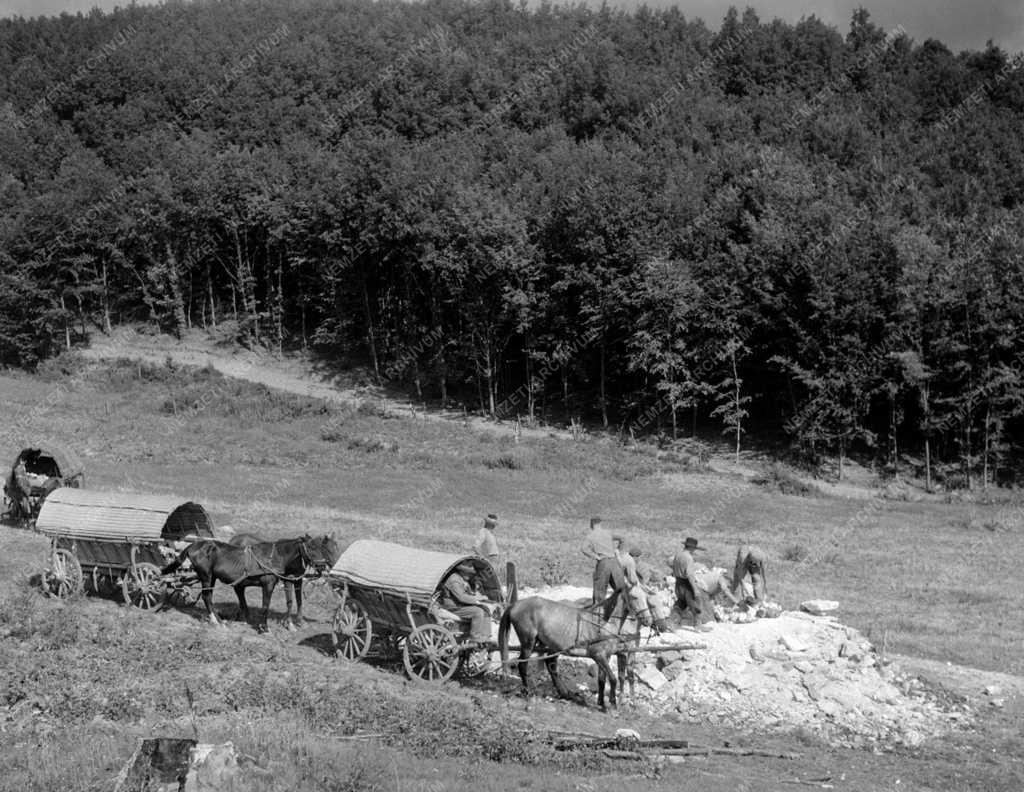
[[390, 592], [103, 540], [45, 470]]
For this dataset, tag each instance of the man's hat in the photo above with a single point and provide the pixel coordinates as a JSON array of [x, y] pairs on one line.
[[595, 521], [691, 544], [635, 551], [619, 538], [491, 521], [466, 567]]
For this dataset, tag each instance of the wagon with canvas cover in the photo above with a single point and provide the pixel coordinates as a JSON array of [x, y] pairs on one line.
[[102, 540], [392, 592], [46, 469]]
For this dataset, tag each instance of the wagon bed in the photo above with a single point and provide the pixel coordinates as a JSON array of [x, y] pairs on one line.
[[114, 538], [391, 591]]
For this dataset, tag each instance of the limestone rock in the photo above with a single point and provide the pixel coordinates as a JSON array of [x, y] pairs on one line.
[[819, 607], [793, 643], [674, 670], [668, 658], [653, 678]]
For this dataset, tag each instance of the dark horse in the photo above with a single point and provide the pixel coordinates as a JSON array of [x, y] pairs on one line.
[[261, 564], [555, 628], [293, 576]]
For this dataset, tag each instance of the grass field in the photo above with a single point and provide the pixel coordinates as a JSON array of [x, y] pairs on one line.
[[932, 580]]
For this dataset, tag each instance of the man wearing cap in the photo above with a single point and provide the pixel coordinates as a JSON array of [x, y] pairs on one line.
[[486, 545], [626, 556], [684, 569], [458, 597], [601, 550], [751, 560]]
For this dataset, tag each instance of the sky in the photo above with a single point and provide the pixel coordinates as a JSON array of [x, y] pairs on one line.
[[960, 24]]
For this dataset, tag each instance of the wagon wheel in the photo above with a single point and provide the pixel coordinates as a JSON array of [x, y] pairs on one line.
[[184, 592], [431, 653], [353, 631], [63, 578], [476, 662], [143, 587]]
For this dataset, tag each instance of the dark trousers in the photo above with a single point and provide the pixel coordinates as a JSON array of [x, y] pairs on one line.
[[687, 597], [608, 571]]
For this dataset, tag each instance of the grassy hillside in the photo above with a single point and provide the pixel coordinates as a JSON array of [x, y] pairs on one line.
[[82, 682]]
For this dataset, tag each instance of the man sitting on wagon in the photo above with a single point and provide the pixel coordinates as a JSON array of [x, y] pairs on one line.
[[457, 596]]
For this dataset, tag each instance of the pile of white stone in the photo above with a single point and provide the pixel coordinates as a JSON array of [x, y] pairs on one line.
[[797, 670]]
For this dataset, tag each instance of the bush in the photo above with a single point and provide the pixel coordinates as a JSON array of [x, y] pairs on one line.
[[785, 481], [503, 461], [554, 572], [372, 445], [796, 553], [66, 364]]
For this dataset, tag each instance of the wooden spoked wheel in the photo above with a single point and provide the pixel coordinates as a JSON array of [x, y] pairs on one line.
[[184, 593], [431, 653], [353, 631], [63, 578], [143, 587], [476, 662]]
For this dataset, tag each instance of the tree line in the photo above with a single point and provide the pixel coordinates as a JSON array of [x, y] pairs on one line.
[[768, 228]]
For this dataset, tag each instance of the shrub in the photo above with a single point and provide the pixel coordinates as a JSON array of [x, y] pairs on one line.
[[372, 445], [553, 571], [796, 553], [66, 364], [503, 461], [785, 481]]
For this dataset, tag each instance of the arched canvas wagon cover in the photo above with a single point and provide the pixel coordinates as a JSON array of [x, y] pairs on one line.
[[119, 516], [51, 460], [406, 570]]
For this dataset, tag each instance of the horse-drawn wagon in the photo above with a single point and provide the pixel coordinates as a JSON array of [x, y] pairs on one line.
[[101, 540], [391, 592], [34, 474]]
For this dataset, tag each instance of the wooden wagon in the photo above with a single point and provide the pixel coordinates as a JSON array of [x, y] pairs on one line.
[[46, 469], [104, 540], [390, 592]]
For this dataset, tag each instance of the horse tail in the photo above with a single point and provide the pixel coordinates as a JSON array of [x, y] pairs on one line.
[[177, 562], [503, 627]]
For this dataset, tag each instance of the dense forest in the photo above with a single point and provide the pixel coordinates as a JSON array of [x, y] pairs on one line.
[[638, 219]]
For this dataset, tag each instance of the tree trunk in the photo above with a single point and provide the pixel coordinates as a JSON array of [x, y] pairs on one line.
[[178, 305], [209, 289], [604, 399], [675, 425], [842, 453], [107, 327], [529, 378], [67, 326], [927, 465], [985, 451], [371, 342], [736, 396]]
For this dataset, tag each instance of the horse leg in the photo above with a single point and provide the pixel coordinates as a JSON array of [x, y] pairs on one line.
[[243, 606], [604, 673], [525, 650], [207, 594], [297, 585], [552, 666], [268, 583]]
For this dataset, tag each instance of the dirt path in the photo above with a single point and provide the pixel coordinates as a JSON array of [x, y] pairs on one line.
[[291, 374]]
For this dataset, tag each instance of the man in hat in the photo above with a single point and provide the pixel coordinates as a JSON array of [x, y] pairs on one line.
[[457, 596], [607, 570], [751, 560], [684, 569], [486, 545]]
